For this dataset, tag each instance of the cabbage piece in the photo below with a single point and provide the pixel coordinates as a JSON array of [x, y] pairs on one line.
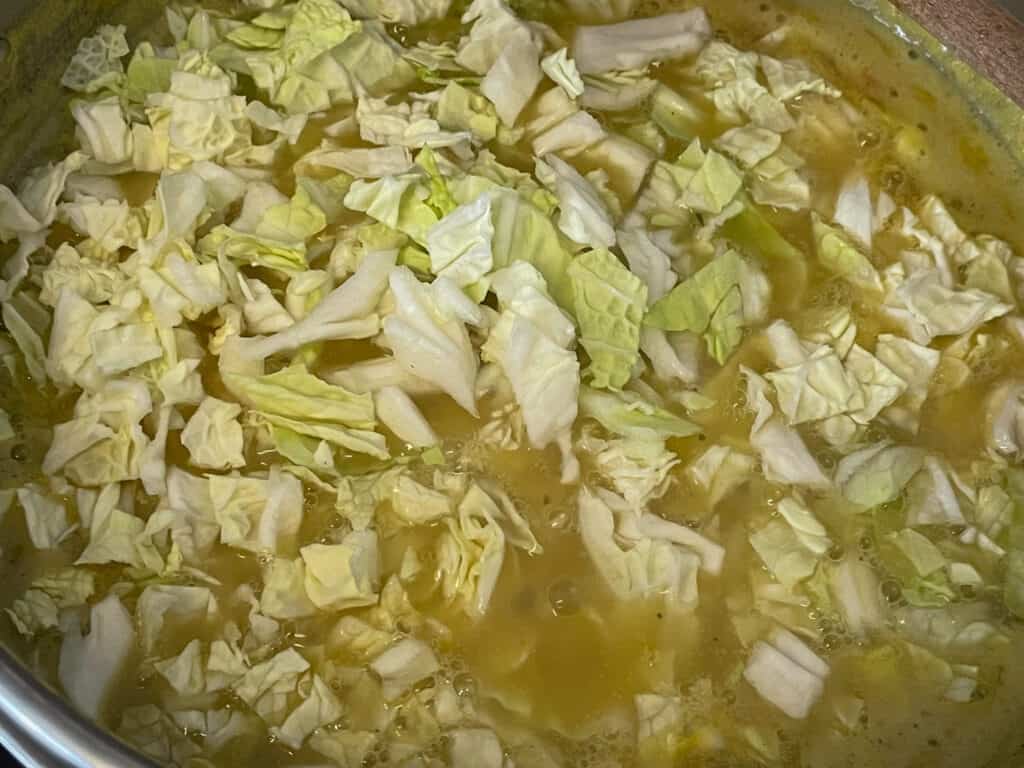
[[124, 347], [462, 109], [732, 79], [46, 518], [914, 365], [648, 262], [320, 708], [397, 411], [24, 321], [408, 12], [460, 244], [475, 748], [180, 287], [629, 415], [718, 302], [97, 61], [94, 281], [406, 125], [416, 504], [571, 136], [360, 640], [638, 469], [428, 336], [522, 230], [118, 537], [635, 44], [784, 455], [618, 91], [811, 533], [926, 308], [855, 588], [153, 732], [294, 220], [562, 70], [675, 114], [931, 498], [672, 356], [790, 78], [345, 575], [404, 664], [720, 470], [284, 590], [73, 438], [289, 127], [103, 131], [584, 216], [185, 672], [660, 720], [777, 181], [495, 29], [368, 60], [219, 726], [470, 553], [1004, 418], [638, 567], [35, 206], [609, 303], [195, 529], [267, 687], [962, 628], [398, 201], [700, 181], [1013, 589], [919, 565], [90, 665], [787, 673], [198, 116], [854, 212], [511, 80], [257, 514], [181, 199], [782, 549], [361, 162], [213, 435], [346, 312], [270, 232], [298, 401], [532, 343], [39, 608], [749, 144], [817, 388], [255, 251], [159, 602], [345, 748], [633, 525], [877, 474], [843, 257], [290, 74], [262, 311], [377, 374]]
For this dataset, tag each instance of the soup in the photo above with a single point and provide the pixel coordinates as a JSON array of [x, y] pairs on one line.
[[428, 384]]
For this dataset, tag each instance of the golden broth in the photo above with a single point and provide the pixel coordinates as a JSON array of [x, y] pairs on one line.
[[555, 649]]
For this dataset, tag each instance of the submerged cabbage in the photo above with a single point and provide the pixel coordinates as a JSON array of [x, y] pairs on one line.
[[385, 387]]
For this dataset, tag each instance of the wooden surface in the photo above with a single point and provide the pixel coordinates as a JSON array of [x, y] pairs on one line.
[[982, 33]]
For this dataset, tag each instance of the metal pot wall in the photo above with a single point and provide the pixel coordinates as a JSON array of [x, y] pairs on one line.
[[37, 38]]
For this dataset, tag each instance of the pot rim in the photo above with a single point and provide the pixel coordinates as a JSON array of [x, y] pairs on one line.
[[41, 729]]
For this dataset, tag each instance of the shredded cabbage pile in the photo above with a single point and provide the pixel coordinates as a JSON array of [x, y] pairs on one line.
[[288, 238]]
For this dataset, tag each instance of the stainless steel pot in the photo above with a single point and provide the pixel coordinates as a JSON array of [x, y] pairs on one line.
[[37, 38]]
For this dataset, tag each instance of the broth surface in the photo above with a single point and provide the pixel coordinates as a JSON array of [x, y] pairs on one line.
[[553, 668]]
